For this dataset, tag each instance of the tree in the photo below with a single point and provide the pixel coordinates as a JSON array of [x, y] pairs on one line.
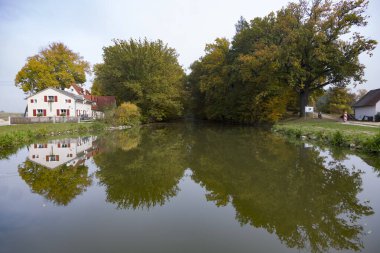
[[241, 83], [336, 100], [360, 93], [127, 114], [340, 100], [209, 80], [146, 73], [55, 66], [314, 52]]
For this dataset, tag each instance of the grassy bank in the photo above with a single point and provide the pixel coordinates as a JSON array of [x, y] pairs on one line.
[[16, 135], [333, 133]]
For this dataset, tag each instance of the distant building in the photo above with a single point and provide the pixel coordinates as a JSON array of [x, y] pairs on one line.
[[52, 102], [368, 105]]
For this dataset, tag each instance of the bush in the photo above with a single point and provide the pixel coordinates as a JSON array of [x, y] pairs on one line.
[[82, 129], [127, 114], [372, 144], [6, 140], [97, 126], [337, 139]]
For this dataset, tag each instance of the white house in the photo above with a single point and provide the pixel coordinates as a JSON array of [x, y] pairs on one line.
[[59, 152], [52, 102], [368, 105]]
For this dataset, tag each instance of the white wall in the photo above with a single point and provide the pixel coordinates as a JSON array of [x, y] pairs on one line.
[[378, 107], [83, 108], [62, 103], [360, 112]]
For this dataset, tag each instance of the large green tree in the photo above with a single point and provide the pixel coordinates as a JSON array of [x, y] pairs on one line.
[[280, 59], [318, 46], [146, 73], [55, 66]]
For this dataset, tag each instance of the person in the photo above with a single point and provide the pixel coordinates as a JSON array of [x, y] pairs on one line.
[[345, 116], [319, 115]]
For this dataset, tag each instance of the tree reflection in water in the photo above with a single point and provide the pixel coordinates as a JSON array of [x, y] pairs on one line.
[[59, 185], [284, 188], [141, 169]]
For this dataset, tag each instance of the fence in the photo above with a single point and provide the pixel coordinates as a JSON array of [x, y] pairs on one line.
[[33, 120]]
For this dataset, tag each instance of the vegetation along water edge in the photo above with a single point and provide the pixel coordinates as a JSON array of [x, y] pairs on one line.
[[363, 138]]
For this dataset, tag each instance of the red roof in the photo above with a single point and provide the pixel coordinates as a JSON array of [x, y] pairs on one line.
[[80, 90], [101, 102]]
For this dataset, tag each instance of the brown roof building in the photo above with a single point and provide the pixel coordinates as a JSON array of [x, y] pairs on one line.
[[100, 103]]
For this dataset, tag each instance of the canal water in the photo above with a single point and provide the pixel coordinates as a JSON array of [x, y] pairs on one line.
[[187, 188]]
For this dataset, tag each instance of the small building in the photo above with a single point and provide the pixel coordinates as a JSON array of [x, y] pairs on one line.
[[100, 104], [52, 102], [368, 106]]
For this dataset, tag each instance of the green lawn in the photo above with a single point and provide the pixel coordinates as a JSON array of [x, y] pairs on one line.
[[332, 132], [49, 127], [16, 135], [328, 125]]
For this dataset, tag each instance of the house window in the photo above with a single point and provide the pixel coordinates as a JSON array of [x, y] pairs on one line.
[[52, 158], [68, 100], [50, 98], [33, 100], [39, 112]]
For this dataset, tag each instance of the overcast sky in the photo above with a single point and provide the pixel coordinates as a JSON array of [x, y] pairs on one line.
[[86, 26]]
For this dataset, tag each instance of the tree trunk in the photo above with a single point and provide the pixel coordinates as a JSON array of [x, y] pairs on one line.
[[304, 100]]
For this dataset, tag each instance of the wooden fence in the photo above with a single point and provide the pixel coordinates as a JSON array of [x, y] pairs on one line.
[[34, 120]]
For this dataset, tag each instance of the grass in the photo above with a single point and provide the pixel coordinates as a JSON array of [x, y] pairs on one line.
[[16, 135], [332, 132]]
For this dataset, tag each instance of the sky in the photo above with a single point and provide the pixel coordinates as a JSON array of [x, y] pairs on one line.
[[87, 26]]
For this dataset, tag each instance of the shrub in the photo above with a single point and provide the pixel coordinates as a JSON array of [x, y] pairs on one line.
[[6, 140], [337, 139], [82, 129], [127, 114], [97, 126], [372, 144], [41, 132]]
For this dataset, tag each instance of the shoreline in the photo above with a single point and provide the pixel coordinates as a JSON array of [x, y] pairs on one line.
[[336, 134]]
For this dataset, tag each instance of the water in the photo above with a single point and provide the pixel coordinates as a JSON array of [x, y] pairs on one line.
[[187, 188]]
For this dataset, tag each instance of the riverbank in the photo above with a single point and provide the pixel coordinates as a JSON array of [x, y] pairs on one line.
[[16, 135], [335, 133]]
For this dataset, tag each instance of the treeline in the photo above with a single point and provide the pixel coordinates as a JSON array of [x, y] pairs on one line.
[[272, 65], [280, 62]]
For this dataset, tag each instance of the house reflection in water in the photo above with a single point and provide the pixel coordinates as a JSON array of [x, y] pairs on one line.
[[56, 170], [70, 151]]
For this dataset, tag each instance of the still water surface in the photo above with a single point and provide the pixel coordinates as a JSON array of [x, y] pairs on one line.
[[187, 188]]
